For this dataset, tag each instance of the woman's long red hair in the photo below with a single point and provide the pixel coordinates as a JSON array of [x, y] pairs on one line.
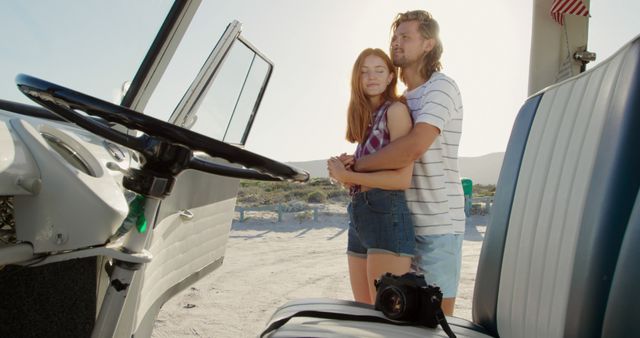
[[360, 110]]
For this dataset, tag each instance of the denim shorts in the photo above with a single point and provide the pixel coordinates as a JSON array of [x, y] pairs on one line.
[[380, 222], [439, 258]]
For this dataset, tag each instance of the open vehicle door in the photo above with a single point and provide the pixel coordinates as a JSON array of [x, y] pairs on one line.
[[193, 223]]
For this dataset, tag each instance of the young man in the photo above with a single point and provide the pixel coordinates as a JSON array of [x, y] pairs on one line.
[[435, 197]]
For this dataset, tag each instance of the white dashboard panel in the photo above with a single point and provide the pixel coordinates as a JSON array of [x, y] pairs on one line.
[[18, 170], [70, 209]]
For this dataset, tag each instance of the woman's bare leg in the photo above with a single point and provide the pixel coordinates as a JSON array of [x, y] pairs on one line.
[[380, 263], [358, 277]]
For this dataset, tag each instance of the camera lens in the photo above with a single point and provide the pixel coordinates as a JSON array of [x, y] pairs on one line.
[[393, 302]]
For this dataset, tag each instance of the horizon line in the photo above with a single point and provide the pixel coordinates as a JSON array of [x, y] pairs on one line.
[[321, 159]]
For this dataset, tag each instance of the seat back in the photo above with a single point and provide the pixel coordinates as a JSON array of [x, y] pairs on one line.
[[562, 204], [624, 299]]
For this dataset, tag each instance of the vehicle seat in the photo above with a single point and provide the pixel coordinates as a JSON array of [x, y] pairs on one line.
[[563, 204], [563, 201], [621, 318]]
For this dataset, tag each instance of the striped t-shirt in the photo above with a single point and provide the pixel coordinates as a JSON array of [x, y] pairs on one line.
[[435, 198]]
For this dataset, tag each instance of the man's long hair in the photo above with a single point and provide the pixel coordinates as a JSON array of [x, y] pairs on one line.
[[360, 110], [429, 28]]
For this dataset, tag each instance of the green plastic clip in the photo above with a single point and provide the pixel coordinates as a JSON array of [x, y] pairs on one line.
[[136, 210]]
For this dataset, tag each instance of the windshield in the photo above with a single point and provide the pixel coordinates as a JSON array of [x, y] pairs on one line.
[[219, 100], [98, 47], [90, 46]]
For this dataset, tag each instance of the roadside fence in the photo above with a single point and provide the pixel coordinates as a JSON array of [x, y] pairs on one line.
[[478, 205], [280, 209]]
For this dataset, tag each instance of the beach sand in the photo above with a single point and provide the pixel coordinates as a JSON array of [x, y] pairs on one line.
[[268, 263]]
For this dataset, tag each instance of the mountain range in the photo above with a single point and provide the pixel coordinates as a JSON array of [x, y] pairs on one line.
[[483, 169]]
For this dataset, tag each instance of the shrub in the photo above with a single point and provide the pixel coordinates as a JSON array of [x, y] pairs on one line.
[[320, 182], [295, 195], [303, 216], [295, 206], [249, 199], [480, 190], [254, 193], [317, 196]]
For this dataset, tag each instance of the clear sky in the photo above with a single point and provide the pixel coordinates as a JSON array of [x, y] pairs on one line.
[[485, 51], [313, 45]]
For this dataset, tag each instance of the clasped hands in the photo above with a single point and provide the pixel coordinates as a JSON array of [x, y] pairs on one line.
[[339, 166]]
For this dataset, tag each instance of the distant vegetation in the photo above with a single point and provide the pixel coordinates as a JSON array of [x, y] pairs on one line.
[[318, 190], [480, 190]]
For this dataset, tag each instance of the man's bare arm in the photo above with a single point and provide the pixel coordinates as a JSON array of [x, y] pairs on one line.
[[401, 152], [397, 179]]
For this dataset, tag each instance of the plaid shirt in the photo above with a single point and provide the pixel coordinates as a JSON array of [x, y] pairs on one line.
[[377, 137]]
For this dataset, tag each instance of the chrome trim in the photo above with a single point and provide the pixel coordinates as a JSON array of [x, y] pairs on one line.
[[185, 214], [114, 151], [52, 138]]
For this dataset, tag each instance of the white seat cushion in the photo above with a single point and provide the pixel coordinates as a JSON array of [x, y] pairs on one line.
[[320, 327]]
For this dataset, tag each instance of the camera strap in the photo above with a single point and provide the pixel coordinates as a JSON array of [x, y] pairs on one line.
[[344, 316], [442, 320]]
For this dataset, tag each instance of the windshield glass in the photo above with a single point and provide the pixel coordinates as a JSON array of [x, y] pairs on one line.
[[90, 46], [227, 104]]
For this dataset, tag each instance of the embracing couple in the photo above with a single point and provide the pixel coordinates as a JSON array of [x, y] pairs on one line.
[[407, 204]]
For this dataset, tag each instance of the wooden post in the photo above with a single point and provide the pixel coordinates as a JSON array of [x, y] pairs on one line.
[[279, 213]]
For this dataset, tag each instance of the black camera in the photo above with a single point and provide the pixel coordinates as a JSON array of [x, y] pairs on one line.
[[409, 298]]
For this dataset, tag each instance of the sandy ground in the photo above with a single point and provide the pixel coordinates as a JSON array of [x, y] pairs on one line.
[[268, 263]]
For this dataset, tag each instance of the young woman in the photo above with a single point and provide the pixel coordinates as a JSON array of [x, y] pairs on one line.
[[381, 235]]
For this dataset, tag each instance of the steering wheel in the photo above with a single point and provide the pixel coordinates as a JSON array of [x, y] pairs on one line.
[[66, 103]]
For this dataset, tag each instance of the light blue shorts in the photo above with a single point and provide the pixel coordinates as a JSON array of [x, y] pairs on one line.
[[439, 258]]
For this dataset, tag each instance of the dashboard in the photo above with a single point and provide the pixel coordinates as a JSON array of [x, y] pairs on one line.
[[66, 182]]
